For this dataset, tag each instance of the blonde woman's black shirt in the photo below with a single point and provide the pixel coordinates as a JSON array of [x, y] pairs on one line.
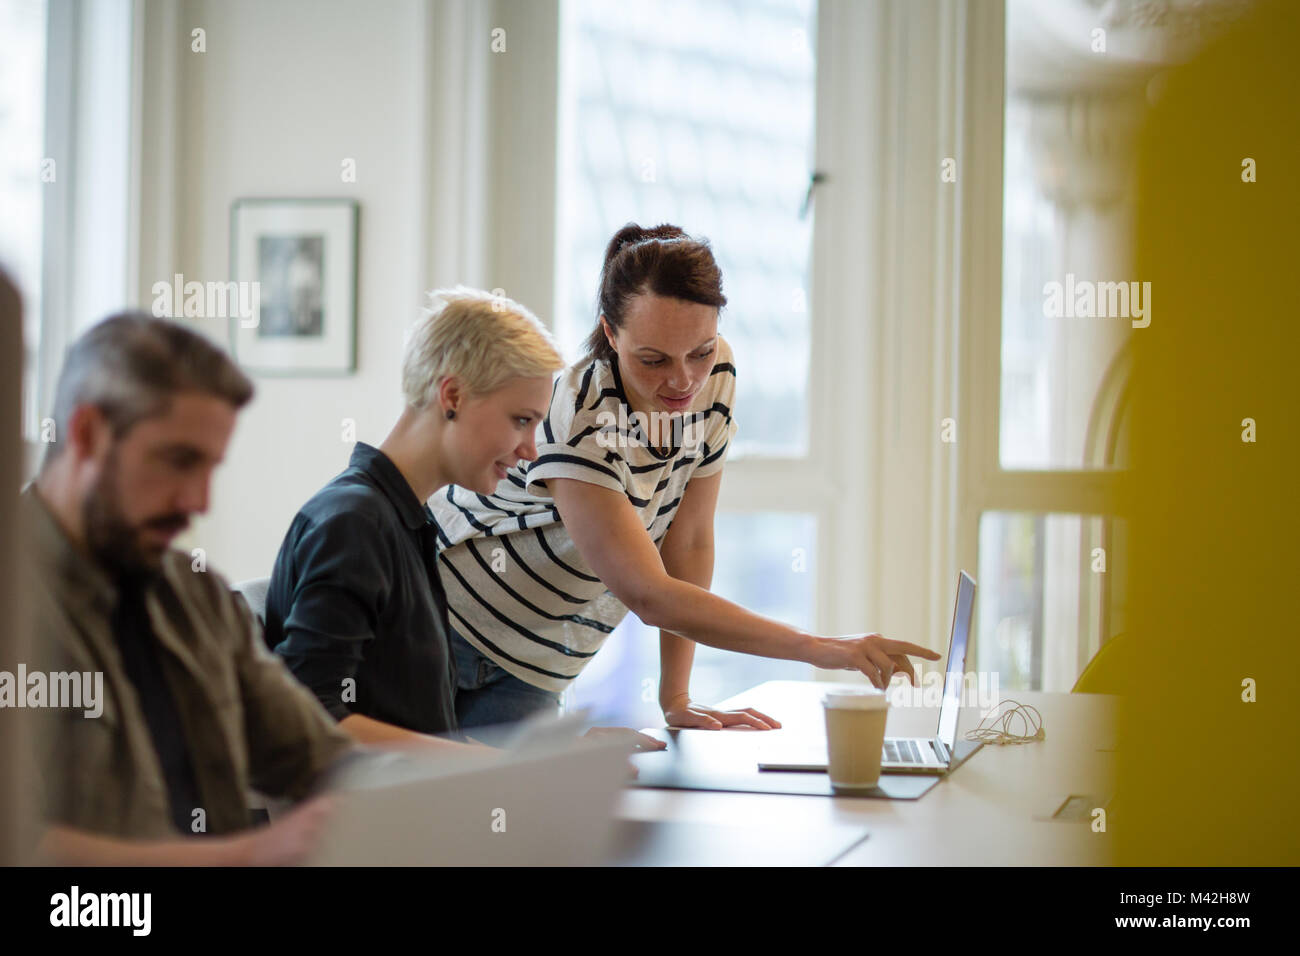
[[356, 607]]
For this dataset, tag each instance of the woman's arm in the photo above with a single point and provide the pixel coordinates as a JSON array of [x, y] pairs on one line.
[[615, 545], [378, 733], [285, 842], [687, 554]]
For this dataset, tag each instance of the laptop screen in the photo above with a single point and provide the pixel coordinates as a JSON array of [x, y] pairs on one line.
[[952, 684]]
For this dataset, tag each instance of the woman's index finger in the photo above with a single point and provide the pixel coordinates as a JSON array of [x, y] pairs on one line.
[[916, 650]]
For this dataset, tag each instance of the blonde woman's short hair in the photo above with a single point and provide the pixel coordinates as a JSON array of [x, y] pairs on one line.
[[482, 339]]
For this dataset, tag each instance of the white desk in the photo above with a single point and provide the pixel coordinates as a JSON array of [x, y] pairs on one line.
[[983, 814]]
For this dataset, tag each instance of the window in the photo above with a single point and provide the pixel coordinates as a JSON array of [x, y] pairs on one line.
[[699, 114], [1049, 596], [1067, 212], [1051, 551]]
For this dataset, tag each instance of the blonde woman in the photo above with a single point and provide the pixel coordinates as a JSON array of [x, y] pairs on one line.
[[616, 511], [356, 608]]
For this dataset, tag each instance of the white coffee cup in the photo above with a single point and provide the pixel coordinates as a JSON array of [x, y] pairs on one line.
[[855, 737]]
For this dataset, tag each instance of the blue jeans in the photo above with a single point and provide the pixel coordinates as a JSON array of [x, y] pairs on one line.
[[488, 694]]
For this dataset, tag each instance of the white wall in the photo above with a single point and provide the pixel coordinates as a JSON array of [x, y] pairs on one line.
[[284, 92]]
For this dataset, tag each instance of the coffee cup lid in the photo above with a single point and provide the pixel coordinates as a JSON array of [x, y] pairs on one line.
[[866, 699]]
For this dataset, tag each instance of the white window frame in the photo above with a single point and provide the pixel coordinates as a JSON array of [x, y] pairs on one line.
[[988, 487]]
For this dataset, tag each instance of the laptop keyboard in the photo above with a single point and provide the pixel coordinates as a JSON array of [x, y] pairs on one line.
[[902, 751]]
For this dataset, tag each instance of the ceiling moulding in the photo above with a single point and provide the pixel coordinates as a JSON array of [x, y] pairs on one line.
[[1050, 43]]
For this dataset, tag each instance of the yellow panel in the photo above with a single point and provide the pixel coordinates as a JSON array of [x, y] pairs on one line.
[[1204, 777]]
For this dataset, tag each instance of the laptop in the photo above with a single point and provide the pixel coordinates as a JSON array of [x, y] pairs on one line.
[[549, 804], [940, 754]]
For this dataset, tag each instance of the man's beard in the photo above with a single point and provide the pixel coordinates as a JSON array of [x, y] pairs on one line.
[[113, 542]]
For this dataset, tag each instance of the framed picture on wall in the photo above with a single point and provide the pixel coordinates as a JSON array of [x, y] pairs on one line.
[[300, 258]]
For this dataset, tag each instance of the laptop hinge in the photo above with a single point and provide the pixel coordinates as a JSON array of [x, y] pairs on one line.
[[941, 751]]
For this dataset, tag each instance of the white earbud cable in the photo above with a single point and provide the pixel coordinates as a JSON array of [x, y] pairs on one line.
[[1000, 730]]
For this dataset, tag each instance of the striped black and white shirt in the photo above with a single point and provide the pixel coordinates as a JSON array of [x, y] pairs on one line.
[[517, 588]]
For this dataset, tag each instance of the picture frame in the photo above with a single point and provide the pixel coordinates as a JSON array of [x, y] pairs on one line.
[[301, 254]]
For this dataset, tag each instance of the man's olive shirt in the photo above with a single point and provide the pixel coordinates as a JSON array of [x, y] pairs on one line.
[[248, 723]]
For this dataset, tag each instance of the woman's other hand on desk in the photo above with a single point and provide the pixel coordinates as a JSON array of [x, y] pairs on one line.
[[683, 713], [638, 741], [873, 654]]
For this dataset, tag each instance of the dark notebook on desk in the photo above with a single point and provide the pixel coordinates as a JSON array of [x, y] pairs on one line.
[[728, 760]]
